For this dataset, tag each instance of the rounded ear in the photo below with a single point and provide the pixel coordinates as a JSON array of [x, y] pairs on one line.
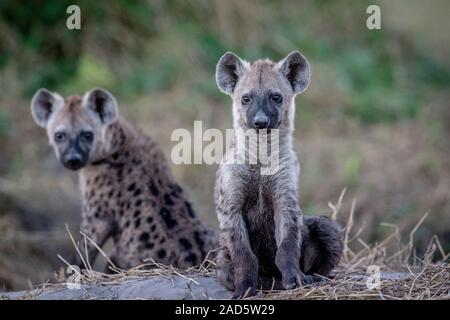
[[295, 68], [103, 104], [43, 104], [228, 72]]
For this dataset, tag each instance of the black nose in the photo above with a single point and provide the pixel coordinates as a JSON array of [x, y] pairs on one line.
[[261, 122], [74, 163]]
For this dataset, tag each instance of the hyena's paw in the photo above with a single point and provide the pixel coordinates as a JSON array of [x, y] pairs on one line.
[[308, 279], [225, 270], [296, 279], [244, 289], [225, 278], [291, 279]]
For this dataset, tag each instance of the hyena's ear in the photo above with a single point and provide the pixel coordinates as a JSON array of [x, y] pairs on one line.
[[296, 69], [43, 104], [228, 71], [103, 104]]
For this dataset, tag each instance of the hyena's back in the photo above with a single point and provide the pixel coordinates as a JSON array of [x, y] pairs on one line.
[[153, 217]]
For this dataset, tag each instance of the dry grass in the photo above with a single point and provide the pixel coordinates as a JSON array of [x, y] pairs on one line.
[[403, 275]]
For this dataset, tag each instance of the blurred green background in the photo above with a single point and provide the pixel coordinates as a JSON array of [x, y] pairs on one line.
[[375, 119]]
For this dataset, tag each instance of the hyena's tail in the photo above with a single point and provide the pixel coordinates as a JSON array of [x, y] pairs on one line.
[[321, 245]]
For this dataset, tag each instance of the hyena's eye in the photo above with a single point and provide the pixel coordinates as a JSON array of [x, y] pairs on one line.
[[246, 99], [87, 136], [277, 98], [59, 136]]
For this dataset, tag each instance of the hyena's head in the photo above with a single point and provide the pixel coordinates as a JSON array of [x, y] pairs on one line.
[[263, 92], [76, 125]]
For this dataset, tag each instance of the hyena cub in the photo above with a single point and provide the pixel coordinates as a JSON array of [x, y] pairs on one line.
[[263, 235], [127, 190]]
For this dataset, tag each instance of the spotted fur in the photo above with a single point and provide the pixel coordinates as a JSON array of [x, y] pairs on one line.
[[127, 190]]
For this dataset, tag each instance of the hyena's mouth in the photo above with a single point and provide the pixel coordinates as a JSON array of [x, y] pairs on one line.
[[74, 163], [73, 166]]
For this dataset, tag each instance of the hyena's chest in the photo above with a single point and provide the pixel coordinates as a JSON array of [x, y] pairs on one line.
[[259, 219]]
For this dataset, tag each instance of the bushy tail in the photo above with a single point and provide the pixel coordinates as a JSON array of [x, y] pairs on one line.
[[321, 245]]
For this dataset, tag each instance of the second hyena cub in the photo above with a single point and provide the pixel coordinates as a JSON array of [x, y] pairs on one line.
[[263, 234], [127, 190]]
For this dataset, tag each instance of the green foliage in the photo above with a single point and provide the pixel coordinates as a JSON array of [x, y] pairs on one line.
[[137, 47], [351, 169], [90, 73]]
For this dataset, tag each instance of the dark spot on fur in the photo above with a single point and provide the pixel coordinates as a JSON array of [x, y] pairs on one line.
[[153, 189], [161, 253], [137, 222], [137, 192], [144, 237], [149, 220], [191, 258], [168, 200], [131, 187], [189, 209], [138, 202], [167, 217], [115, 156], [137, 213], [153, 228], [127, 224], [185, 243], [117, 165], [176, 190], [136, 162], [149, 245]]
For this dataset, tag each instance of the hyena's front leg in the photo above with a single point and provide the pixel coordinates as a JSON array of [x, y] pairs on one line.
[[288, 221], [225, 272], [98, 229], [243, 261]]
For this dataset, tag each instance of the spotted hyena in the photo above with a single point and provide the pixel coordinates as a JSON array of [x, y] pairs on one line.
[[263, 234], [128, 192]]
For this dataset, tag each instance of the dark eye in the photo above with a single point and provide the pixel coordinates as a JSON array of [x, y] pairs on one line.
[[87, 136], [276, 98], [246, 99], [59, 136]]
